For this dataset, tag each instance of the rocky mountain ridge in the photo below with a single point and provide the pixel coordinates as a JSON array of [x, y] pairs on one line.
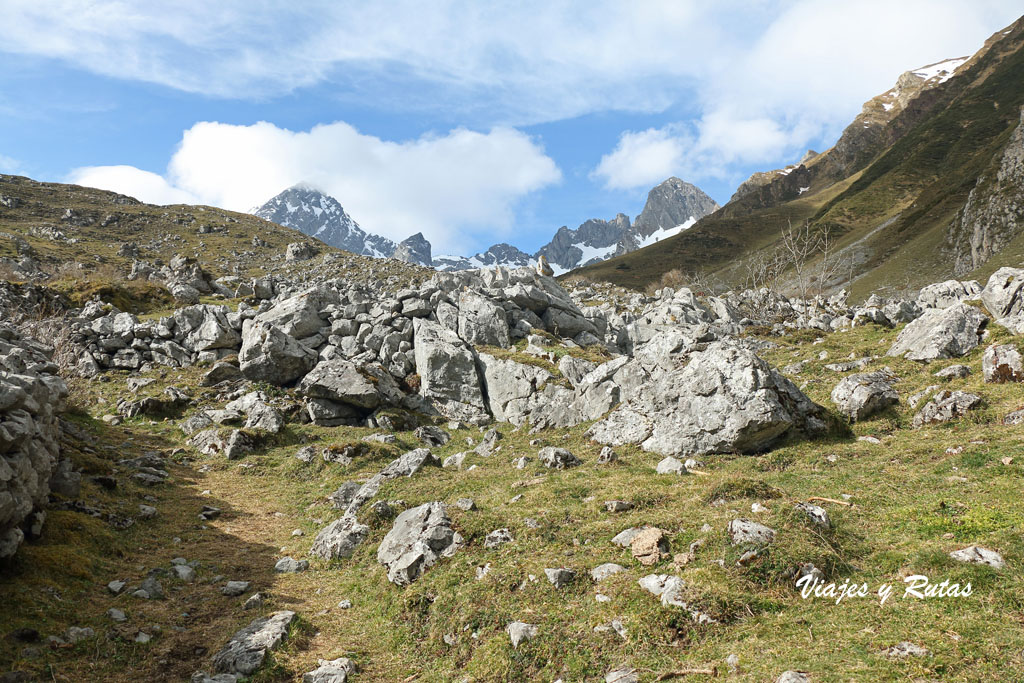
[[672, 206], [892, 193]]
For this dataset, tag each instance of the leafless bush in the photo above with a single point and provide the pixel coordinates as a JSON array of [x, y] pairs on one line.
[[54, 332], [697, 282]]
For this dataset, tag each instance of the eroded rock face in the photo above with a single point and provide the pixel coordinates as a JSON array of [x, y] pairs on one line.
[[725, 400], [418, 539], [864, 394], [1003, 295], [941, 333], [31, 400]]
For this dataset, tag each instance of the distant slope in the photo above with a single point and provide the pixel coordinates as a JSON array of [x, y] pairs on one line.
[[893, 189], [56, 230]]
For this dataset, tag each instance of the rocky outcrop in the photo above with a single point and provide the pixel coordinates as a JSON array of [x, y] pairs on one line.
[[941, 333], [448, 373], [994, 212], [31, 400], [269, 355], [1003, 295]]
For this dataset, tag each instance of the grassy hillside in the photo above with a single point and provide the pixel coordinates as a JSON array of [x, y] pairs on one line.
[[922, 179], [77, 235]]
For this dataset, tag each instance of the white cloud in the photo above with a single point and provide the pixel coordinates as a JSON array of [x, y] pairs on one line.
[[9, 165], [803, 78], [456, 188], [143, 185], [642, 159]]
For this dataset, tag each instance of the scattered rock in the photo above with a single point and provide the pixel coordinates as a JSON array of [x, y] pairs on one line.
[[862, 395], [519, 632], [560, 577], [978, 555], [244, 653], [558, 458], [288, 565], [649, 546], [1002, 363], [744, 531], [331, 671], [946, 406]]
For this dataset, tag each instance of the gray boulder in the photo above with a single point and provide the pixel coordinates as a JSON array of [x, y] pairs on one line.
[[339, 539], [519, 632], [417, 540], [746, 532], [558, 458], [1002, 363], [512, 389], [948, 293], [482, 321], [270, 355], [725, 400], [946, 406], [1004, 292], [941, 333], [976, 555], [864, 394], [331, 671], [448, 372], [342, 381], [245, 652]]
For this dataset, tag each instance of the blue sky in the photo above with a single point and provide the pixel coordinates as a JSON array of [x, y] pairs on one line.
[[471, 122]]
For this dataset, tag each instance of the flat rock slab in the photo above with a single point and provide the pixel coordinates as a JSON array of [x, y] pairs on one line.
[[244, 653]]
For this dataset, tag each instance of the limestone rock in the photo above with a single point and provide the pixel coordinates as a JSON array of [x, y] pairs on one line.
[[725, 400], [862, 395], [941, 333], [245, 652], [420, 536]]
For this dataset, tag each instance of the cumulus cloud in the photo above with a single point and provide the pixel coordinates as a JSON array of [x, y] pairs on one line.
[[134, 182], [455, 188], [803, 77]]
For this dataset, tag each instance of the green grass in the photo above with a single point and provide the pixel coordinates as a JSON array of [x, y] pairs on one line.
[[913, 502]]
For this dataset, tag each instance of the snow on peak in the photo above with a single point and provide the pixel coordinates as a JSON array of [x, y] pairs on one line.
[[659, 235], [942, 70]]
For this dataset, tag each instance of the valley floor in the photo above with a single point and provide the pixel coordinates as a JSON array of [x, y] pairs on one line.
[[915, 496]]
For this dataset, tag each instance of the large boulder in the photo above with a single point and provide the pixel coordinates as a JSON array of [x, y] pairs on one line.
[[947, 406], [448, 372], [419, 538], [861, 395], [205, 328], [941, 333], [297, 316], [482, 321], [270, 355], [1004, 292], [725, 400], [513, 389], [339, 539], [340, 380]]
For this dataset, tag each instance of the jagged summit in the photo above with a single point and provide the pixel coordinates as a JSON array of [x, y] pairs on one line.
[[673, 206], [306, 208]]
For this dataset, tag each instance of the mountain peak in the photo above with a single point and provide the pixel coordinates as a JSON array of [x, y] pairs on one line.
[[317, 214]]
